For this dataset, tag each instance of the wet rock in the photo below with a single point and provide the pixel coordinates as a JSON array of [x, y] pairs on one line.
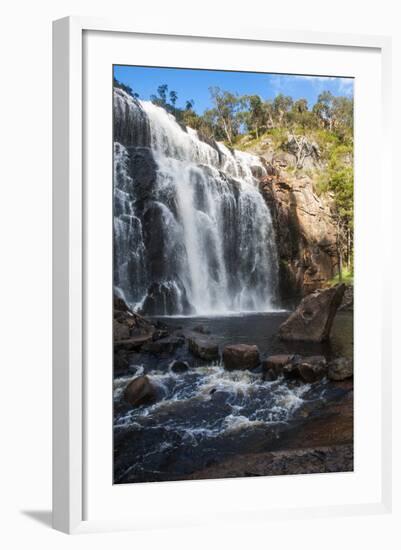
[[312, 368], [166, 298], [205, 348], [272, 367], [120, 330], [309, 369], [130, 330], [269, 376], [119, 305], [348, 299], [201, 329], [120, 362], [163, 345], [133, 343], [179, 366], [341, 369], [140, 391], [159, 334], [313, 318], [337, 458], [241, 356]]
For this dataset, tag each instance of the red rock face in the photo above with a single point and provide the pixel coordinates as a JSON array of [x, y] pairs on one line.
[[305, 231]]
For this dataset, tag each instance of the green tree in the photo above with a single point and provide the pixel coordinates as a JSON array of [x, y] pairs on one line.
[[282, 104], [224, 116], [124, 87], [255, 114], [173, 97], [323, 108]]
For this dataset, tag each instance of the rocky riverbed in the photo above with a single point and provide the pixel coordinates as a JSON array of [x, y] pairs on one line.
[[227, 397]]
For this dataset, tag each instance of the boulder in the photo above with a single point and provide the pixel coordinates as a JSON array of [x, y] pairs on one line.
[[130, 330], [241, 356], [140, 391], [163, 345], [272, 367], [313, 318], [179, 366], [165, 298], [348, 299], [134, 343], [159, 334], [340, 369], [309, 369], [205, 348], [312, 368], [120, 331]]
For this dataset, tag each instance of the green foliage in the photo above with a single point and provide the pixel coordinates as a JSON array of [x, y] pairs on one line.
[[226, 115], [347, 277]]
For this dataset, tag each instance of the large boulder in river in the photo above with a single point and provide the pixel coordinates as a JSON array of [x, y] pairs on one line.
[[140, 391], [179, 367], [313, 318], [241, 356], [312, 368], [273, 366], [203, 347]]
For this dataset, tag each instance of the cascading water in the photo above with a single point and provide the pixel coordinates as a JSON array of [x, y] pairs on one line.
[[192, 233]]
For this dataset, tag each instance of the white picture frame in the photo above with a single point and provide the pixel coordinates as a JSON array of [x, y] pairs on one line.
[[70, 257]]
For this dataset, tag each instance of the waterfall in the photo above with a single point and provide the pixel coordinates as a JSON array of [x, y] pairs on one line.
[[192, 232]]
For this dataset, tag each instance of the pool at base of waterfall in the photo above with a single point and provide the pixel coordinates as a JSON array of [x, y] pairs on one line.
[[207, 414]]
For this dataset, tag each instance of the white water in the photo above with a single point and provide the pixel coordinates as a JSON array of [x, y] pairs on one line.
[[217, 241]]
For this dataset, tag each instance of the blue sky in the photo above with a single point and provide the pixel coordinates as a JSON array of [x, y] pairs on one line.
[[194, 84]]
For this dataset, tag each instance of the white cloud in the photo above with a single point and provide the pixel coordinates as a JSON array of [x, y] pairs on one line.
[[286, 84]]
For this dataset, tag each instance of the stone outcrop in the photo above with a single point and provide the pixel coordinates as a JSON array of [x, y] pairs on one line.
[[179, 366], [341, 369], [273, 366], [305, 229], [240, 356], [348, 299], [313, 318], [203, 347], [164, 345], [140, 391], [309, 369], [130, 330], [312, 368]]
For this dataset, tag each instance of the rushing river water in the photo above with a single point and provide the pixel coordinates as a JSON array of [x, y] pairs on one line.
[[207, 414]]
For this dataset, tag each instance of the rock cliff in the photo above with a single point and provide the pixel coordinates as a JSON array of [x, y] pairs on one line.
[[305, 232]]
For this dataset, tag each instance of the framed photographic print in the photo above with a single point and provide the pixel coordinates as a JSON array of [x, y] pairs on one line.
[[220, 342]]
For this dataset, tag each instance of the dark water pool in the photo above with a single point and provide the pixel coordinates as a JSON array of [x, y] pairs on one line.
[[261, 329]]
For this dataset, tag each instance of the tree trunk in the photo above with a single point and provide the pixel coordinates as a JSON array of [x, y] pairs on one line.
[[339, 253]]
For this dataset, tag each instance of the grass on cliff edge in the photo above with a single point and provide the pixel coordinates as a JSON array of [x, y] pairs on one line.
[[347, 278]]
